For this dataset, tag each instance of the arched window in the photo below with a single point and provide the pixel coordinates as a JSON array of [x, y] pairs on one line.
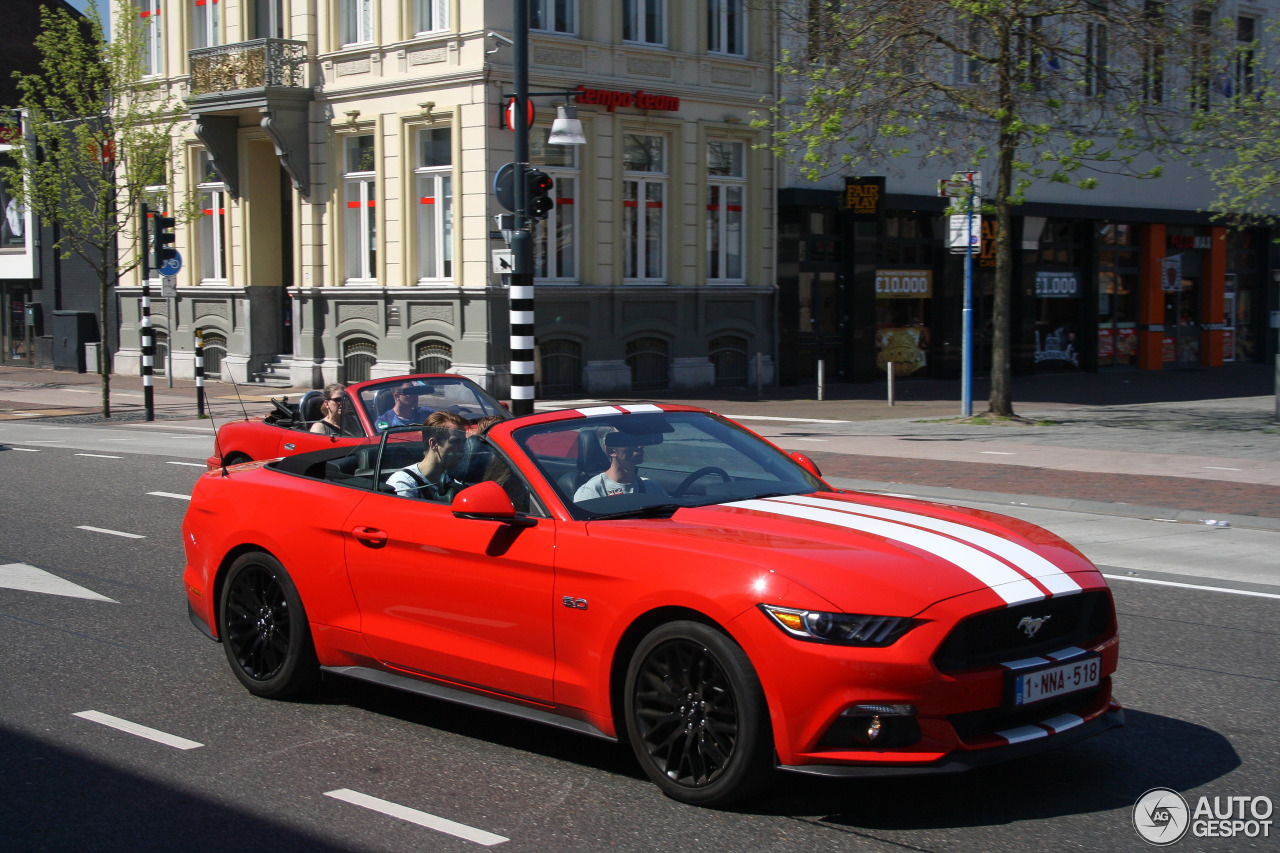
[[359, 357], [647, 358], [729, 355], [561, 367], [433, 357], [215, 349]]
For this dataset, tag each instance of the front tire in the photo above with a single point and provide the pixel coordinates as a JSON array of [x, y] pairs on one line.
[[696, 716], [265, 631]]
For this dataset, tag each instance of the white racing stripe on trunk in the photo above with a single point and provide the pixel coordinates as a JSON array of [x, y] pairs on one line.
[[640, 407], [592, 411], [1003, 581], [1029, 562]]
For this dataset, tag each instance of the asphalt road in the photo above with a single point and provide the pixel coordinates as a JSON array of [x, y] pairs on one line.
[[1198, 677]]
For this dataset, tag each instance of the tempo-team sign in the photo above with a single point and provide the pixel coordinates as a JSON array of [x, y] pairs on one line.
[[904, 284], [639, 99]]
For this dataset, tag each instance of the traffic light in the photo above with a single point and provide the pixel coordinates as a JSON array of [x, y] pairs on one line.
[[162, 227], [538, 193]]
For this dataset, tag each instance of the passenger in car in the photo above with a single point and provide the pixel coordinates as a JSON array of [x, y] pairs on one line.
[[406, 411], [443, 438], [620, 478], [330, 407]]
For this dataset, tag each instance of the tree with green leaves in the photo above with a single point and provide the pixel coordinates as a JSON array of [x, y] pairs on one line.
[[98, 138], [1058, 91]]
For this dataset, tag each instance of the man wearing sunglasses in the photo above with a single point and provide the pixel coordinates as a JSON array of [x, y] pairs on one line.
[[406, 411]]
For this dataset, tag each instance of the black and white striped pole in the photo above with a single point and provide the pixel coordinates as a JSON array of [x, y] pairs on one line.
[[521, 294], [162, 227], [148, 341], [199, 373]]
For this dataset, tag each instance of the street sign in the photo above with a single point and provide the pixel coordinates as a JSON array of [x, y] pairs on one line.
[[503, 261], [958, 226], [172, 266], [504, 187], [168, 287], [959, 184], [511, 112]]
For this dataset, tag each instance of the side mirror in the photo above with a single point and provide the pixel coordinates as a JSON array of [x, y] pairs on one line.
[[487, 502], [807, 464]]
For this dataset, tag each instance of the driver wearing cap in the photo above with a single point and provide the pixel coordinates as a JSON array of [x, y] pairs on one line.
[[625, 455], [406, 411]]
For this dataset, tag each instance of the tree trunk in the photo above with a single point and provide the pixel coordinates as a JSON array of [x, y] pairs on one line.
[[103, 346], [1001, 401]]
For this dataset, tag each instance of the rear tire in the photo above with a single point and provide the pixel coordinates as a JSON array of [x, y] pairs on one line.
[[235, 459], [696, 716], [264, 629]]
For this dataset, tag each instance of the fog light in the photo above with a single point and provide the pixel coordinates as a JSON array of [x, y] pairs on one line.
[[873, 730], [880, 725]]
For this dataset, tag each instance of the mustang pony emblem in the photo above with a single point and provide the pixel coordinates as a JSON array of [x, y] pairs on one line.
[[1030, 626]]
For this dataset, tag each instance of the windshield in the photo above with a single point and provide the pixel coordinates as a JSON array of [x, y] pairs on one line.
[[408, 400], [653, 463]]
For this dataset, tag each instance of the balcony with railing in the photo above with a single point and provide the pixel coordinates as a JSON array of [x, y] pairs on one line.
[[264, 81], [257, 64]]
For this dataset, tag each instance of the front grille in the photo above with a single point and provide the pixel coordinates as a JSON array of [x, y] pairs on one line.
[[974, 724], [995, 636]]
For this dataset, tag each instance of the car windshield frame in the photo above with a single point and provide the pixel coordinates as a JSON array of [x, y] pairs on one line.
[[467, 399], [694, 440]]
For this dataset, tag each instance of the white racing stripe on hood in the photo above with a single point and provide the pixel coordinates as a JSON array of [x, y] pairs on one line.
[[1003, 580], [1029, 562]]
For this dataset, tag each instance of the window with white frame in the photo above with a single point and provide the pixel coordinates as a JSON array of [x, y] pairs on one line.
[[554, 16], [152, 58], [204, 23], [211, 233], [430, 16], [726, 27], [157, 201], [357, 21], [726, 196], [434, 176], [1246, 67], [555, 239], [360, 220], [644, 21], [644, 189]]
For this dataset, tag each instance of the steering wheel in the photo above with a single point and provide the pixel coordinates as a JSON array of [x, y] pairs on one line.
[[698, 475]]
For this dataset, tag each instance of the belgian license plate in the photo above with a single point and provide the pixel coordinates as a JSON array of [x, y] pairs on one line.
[[1057, 680]]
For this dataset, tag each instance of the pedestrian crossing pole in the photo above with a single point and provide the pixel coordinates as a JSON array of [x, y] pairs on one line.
[[199, 373], [148, 339]]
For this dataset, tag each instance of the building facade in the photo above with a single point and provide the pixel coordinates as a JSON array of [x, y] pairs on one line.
[[342, 153]]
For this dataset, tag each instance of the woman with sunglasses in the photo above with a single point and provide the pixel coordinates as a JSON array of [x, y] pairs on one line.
[[330, 407]]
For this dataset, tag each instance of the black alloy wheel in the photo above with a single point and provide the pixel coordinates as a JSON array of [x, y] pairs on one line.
[[265, 630], [696, 715]]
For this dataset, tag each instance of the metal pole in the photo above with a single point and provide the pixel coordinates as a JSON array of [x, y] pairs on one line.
[[821, 379], [966, 366], [521, 291], [168, 351], [1278, 388], [890, 383], [199, 373], [759, 374], [148, 340]]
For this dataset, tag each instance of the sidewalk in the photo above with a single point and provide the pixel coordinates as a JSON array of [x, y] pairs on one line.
[[1196, 441]]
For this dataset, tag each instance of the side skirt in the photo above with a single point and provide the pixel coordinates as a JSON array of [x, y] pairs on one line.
[[461, 697]]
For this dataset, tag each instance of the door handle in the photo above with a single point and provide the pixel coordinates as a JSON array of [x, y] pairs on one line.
[[370, 536]]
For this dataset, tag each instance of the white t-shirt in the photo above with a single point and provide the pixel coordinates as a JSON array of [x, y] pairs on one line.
[[409, 483], [600, 486]]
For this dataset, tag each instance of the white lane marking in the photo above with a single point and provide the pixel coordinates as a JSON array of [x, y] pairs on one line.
[[171, 495], [1202, 587], [122, 439], [47, 441], [50, 428], [823, 440], [787, 420], [99, 456], [1000, 578], [430, 821], [78, 391], [998, 453], [111, 532], [135, 729], [118, 394], [1050, 576], [26, 449], [170, 426], [1218, 468], [191, 464], [27, 578]]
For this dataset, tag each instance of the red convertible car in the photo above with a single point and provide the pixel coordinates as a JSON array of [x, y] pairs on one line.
[[363, 413], [663, 576]]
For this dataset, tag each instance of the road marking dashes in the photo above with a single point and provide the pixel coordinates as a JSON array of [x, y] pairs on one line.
[[192, 464], [110, 532], [25, 578], [138, 730], [99, 456], [430, 821], [171, 495]]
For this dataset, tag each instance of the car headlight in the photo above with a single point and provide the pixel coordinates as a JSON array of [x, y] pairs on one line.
[[845, 629]]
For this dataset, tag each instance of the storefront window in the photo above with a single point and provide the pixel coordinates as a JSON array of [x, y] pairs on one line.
[[1058, 276], [1118, 294], [1180, 273], [904, 292], [1246, 250]]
